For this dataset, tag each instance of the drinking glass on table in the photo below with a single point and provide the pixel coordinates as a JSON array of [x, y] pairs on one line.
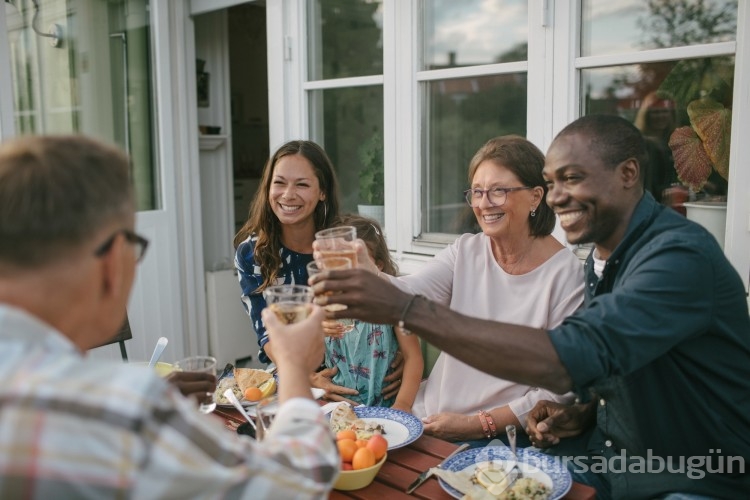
[[333, 328], [338, 242], [290, 303], [201, 364]]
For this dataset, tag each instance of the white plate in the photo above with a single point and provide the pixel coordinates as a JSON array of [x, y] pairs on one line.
[[401, 428], [243, 401], [534, 464]]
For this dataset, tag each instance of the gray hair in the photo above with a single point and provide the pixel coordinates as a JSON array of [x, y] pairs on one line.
[[56, 192]]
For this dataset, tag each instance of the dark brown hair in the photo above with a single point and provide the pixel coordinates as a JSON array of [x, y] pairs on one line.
[[56, 193], [526, 162], [264, 223], [369, 231]]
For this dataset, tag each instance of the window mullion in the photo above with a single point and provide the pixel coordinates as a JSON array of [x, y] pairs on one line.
[[464, 71], [737, 240], [657, 55], [335, 83], [539, 68], [402, 197]]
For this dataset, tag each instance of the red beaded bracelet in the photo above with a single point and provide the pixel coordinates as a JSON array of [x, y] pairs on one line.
[[492, 432], [485, 425]]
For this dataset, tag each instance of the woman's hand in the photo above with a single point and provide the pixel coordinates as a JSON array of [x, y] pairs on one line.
[[453, 426], [392, 381], [364, 261], [323, 380], [333, 329]]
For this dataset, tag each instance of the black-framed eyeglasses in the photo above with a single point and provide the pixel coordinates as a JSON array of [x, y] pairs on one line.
[[495, 195], [140, 243]]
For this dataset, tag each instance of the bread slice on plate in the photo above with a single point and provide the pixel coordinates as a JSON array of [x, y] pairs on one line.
[[343, 417], [250, 377]]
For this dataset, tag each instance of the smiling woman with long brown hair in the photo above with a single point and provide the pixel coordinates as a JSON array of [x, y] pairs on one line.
[[298, 195]]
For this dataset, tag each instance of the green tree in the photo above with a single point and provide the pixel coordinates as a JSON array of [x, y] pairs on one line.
[[674, 23]]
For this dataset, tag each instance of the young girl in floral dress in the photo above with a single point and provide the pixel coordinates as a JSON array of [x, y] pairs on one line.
[[363, 356]]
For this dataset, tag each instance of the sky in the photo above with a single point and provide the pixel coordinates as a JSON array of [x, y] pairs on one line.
[[477, 30]]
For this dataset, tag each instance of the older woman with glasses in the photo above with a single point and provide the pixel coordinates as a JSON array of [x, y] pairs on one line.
[[513, 271]]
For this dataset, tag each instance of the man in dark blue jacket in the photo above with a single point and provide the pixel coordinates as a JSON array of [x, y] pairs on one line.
[[659, 355]]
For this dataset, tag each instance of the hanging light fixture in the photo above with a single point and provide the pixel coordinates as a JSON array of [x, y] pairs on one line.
[[54, 32]]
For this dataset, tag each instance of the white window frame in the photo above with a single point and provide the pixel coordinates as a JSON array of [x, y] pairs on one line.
[[539, 89], [553, 75], [737, 241], [401, 83], [566, 105], [7, 123]]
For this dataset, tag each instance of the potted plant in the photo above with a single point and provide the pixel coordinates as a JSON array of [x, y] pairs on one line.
[[699, 150], [371, 179], [703, 146]]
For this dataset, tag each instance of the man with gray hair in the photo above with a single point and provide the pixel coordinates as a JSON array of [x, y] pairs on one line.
[[72, 427]]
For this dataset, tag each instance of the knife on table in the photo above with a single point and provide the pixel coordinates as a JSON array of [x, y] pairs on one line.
[[426, 474]]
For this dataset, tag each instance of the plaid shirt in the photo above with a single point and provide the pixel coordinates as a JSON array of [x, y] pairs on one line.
[[77, 428]]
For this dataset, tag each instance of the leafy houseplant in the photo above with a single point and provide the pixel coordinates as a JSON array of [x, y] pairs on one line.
[[701, 149], [698, 150], [704, 145], [371, 185], [704, 87]]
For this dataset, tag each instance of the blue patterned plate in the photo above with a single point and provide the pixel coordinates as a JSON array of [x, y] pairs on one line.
[[534, 464], [401, 428]]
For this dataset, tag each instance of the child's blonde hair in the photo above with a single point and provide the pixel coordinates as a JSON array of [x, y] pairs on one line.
[[370, 232]]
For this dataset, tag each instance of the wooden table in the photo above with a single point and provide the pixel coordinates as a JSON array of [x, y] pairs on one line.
[[403, 466]]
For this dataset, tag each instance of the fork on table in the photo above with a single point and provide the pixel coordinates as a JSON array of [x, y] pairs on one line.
[[514, 474]]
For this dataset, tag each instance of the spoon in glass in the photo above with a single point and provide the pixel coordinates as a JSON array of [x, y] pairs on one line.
[[161, 344]]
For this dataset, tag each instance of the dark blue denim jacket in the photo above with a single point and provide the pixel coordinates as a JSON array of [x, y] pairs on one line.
[[663, 343]]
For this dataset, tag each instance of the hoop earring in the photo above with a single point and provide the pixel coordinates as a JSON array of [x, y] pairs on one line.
[[533, 212], [325, 211]]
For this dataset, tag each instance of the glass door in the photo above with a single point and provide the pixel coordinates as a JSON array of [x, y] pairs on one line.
[[85, 67], [90, 67]]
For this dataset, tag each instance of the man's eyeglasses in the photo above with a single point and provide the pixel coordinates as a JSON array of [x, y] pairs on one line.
[[141, 244], [496, 195]]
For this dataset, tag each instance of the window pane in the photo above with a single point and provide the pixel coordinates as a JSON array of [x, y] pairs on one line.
[[352, 135], [657, 98], [617, 26], [345, 38], [95, 80], [461, 115], [473, 32]]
